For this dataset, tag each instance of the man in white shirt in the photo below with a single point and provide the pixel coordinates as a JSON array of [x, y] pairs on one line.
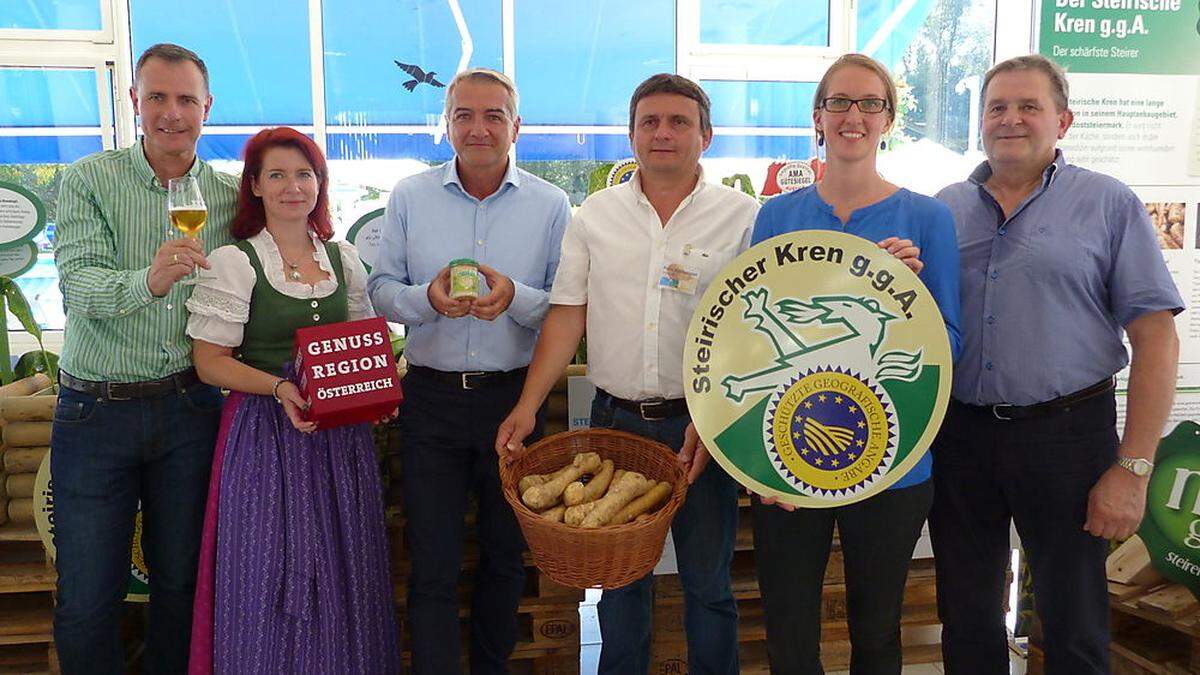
[[635, 261]]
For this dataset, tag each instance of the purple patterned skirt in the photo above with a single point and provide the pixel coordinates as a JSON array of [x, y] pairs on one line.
[[301, 579]]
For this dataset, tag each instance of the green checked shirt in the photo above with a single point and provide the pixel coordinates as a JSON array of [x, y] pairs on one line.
[[112, 219]]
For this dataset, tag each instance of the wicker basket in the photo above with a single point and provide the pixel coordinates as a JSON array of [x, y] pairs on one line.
[[606, 557]]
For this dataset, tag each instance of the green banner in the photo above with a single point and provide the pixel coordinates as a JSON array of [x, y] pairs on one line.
[[1122, 36], [1171, 527]]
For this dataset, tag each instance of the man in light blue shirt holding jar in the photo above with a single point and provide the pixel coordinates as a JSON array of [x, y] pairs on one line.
[[467, 361]]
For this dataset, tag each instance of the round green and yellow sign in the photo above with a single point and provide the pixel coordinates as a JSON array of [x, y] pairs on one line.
[[817, 368], [43, 518]]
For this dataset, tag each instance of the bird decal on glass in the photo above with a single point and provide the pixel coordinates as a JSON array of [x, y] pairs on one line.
[[419, 76]]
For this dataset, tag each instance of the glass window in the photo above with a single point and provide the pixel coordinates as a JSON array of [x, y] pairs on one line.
[[886, 28], [52, 118], [762, 148], [51, 14], [257, 54], [939, 65], [46, 149], [48, 97], [790, 23], [364, 85], [760, 104], [568, 160], [578, 63]]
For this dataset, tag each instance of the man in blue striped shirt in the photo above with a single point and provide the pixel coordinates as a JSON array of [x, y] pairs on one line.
[[467, 361], [133, 422], [1058, 263]]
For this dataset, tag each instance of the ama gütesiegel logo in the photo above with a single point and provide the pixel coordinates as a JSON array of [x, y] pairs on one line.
[[817, 368]]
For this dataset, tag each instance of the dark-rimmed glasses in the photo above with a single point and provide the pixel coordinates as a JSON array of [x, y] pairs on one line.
[[870, 106]]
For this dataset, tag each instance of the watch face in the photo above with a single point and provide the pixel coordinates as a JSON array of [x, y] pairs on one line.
[[1137, 466]]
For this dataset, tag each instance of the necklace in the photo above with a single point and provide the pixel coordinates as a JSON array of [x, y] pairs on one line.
[[294, 274]]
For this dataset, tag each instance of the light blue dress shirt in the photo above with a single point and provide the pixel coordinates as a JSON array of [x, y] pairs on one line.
[[1047, 291], [431, 220]]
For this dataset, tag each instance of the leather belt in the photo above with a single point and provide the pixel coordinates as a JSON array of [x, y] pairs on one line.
[[127, 391], [477, 379], [652, 409], [1008, 413]]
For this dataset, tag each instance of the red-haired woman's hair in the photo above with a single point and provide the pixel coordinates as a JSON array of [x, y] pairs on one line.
[[250, 218]]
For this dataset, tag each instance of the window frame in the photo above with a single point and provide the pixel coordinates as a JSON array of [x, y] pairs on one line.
[[106, 51], [106, 35]]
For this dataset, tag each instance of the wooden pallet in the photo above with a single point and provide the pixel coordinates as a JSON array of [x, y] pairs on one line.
[[28, 618], [1156, 630], [553, 628], [668, 643], [745, 577], [527, 657], [27, 578], [919, 609], [539, 590], [24, 568], [26, 659], [671, 658]]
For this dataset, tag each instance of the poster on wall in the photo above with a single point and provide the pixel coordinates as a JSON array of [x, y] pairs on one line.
[[1134, 71]]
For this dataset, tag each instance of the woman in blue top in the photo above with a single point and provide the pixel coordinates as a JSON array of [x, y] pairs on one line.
[[854, 107]]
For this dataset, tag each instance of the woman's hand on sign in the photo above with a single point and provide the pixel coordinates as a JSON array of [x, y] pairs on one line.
[[498, 298], [905, 251], [294, 405], [772, 500], [439, 297], [693, 456]]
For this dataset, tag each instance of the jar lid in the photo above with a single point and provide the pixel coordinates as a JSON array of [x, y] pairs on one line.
[[464, 261]]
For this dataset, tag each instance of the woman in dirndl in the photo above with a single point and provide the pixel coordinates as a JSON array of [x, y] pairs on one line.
[[293, 570]]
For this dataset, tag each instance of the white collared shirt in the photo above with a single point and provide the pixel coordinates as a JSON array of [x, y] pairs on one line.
[[613, 256]]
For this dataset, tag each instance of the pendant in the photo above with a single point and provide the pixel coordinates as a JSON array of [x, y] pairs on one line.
[[294, 275]]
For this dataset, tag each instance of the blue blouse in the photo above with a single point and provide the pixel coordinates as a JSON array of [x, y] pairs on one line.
[[904, 214]]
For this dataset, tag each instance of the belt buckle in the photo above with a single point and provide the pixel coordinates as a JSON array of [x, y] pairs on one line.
[[996, 412], [642, 406], [465, 382], [111, 388]]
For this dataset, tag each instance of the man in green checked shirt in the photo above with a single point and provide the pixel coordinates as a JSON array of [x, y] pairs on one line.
[[133, 422]]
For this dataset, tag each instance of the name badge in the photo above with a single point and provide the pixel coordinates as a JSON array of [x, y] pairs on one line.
[[682, 274]]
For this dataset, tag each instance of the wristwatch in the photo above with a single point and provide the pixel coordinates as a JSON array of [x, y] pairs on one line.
[[1136, 465]]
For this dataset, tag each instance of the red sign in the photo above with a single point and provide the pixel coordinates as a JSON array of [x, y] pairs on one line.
[[347, 372]]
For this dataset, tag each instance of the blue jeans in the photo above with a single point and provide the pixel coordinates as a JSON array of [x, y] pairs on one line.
[[704, 530], [107, 455]]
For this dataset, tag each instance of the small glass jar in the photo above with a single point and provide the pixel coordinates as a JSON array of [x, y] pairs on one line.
[[464, 279]]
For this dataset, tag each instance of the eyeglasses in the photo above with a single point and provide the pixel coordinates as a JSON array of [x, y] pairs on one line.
[[870, 106]]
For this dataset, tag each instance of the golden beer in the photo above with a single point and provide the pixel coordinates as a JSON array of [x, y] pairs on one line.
[[189, 221]]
